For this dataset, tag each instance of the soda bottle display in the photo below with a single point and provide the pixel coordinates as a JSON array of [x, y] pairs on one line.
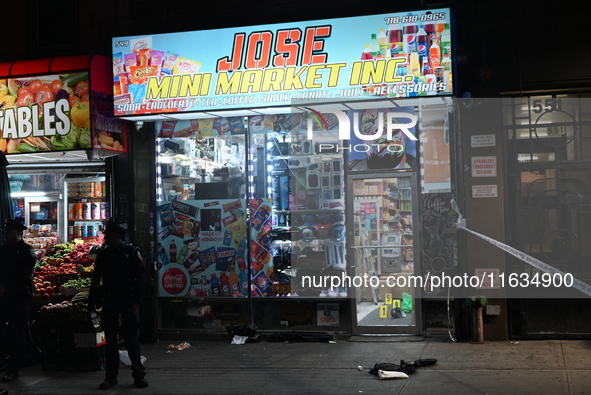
[[384, 44], [374, 46], [234, 283], [172, 251], [434, 56], [422, 44], [215, 285], [395, 39], [409, 36], [366, 55], [225, 284]]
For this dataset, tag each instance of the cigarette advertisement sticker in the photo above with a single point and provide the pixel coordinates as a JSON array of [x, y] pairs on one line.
[[387, 55]]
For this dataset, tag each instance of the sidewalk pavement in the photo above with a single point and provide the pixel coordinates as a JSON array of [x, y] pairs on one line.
[[218, 367]]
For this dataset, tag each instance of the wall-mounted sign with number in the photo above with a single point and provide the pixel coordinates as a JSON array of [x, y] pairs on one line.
[[553, 126]]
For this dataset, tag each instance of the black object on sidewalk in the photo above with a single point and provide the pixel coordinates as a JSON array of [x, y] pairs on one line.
[[408, 367]]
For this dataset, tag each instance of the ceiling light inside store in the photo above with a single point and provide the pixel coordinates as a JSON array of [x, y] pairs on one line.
[[276, 110], [27, 194], [364, 105]]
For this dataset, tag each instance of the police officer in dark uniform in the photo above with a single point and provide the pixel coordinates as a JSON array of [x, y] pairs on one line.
[[17, 261], [117, 285]]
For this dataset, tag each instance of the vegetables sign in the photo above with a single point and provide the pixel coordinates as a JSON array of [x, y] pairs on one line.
[[45, 113]]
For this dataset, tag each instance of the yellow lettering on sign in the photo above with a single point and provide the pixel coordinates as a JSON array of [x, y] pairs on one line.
[[396, 303], [227, 85], [334, 72], [312, 76], [384, 311], [293, 79], [273, 79], [251, 81]]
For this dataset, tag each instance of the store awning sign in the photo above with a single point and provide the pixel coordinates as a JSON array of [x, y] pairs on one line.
[[45, 113], [357, 58]]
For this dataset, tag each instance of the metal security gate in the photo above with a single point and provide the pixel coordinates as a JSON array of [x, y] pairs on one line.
[[549, 208]]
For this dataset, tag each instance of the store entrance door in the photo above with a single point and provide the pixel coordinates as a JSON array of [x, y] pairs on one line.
[[383, 237]]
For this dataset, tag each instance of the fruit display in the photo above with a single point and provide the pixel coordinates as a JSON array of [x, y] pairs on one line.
[[64, 258], [83, 282], [44, 287], [47, 271], [79, 307], [63, 306], [51, 96]]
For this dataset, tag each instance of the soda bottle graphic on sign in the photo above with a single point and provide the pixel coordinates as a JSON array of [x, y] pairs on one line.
[[214, 283], [190, 260], [172, 251], [206, 285], [384, 45], [183, 253], [162, 255], [234, 283], [430, 30], [445, 46], [366, 55], [438, 30], [434, 56], [243, 277], [409, 35], [225, 284], [395, 39], [415, 65], [374, 46], [227, 238], [422, 44], [426, 69]]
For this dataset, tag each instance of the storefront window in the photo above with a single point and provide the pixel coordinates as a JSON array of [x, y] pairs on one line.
[[202, 208], [297, 224]]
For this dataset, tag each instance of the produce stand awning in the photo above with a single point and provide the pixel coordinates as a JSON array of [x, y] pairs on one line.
[[84, 123], [58, 64]]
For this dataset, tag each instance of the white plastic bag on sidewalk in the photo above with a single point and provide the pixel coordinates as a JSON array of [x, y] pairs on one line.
[[124, 357], [385, 374]]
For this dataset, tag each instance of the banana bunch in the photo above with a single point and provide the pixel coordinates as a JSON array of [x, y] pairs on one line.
[[79, 307], [81, 296]]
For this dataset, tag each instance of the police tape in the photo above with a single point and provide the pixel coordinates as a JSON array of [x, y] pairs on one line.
[[577, 284]]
